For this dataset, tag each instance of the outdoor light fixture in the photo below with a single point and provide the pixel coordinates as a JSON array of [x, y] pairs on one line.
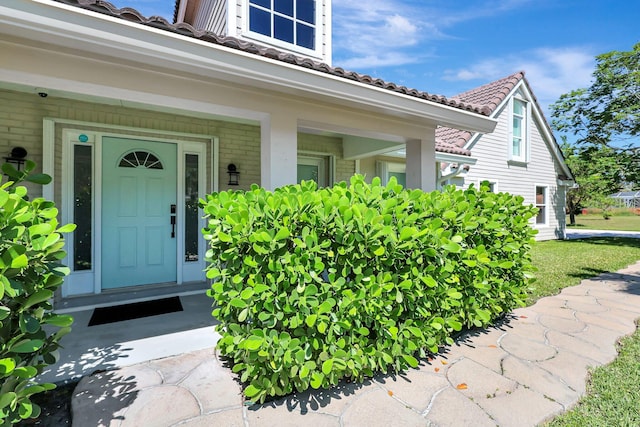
[[17, 157], [234, 175]]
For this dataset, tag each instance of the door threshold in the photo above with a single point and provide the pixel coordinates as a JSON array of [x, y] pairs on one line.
[[130, 295]]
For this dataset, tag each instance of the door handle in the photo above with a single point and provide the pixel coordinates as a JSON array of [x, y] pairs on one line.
[[173, 221]]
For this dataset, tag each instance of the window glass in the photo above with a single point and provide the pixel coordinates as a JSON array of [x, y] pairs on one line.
[[518, 107], [263, 3], [259, 21], [541, 202], [401, 177], [283, 29], [306, 11], [283, 6], [191, 226], [291, 21], [82, 206], [305, 36]]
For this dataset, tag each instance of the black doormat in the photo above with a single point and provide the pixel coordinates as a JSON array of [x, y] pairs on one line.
[[135, 310]]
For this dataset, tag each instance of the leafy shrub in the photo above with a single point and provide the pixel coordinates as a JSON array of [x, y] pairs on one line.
[[313, 286], [30, 272]]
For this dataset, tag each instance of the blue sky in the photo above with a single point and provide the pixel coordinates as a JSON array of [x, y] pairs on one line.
[[449, 46]]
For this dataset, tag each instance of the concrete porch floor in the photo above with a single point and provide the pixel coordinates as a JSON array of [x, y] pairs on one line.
[[114, 345]]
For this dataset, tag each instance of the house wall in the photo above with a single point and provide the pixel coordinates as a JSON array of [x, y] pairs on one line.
[[344, 169], [21, 117], [368, 165], [211, 15], [491, 151]]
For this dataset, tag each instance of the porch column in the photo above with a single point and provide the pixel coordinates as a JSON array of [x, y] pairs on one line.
[[278, 150], [421, 162]]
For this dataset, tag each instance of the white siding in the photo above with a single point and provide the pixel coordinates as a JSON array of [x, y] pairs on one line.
[[218, 20], [492, 152]]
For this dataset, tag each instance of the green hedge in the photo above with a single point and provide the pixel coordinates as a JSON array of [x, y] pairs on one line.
[[313, 286], [30, 272]]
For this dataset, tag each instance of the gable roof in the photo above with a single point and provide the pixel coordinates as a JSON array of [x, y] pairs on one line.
[[490, 95], [132, 15]]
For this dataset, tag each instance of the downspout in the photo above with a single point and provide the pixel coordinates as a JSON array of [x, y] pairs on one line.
[[448, 176]]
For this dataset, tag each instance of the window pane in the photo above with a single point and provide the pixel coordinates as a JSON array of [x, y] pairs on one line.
[[517, 144], [191, 226], [283, 29], [263, 3], [284, 6], [517, 127], [518, 107], [82, 210], [307, 173], [541, 218], [305, 36], [306, 11], [401, 177], [260, 21]]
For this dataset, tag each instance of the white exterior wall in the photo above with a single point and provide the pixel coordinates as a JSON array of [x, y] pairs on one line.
[[492, 151]]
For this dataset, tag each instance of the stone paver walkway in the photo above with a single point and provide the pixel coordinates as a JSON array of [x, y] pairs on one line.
[[520, 373]]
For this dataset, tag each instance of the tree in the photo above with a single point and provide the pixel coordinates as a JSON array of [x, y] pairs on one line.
[[599, 172], [604, 120], [607, 112]]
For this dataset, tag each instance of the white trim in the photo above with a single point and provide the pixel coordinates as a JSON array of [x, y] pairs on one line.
[[316, 52], [327, 158], [78, 283], [546, 205], [525, 140], [67, 26], [492, 182]]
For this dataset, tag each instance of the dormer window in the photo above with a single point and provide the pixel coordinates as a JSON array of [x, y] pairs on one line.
[[290, 21], [518, 149]]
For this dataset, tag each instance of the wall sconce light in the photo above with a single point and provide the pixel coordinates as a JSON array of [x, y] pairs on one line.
[[17, 157], [234, 175]]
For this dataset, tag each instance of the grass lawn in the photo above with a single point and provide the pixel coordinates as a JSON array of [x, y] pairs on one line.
[[563, 263], [596, 222], [613, 391]]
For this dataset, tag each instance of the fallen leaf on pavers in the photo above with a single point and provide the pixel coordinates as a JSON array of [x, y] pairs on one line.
[[523, 317], [437, 369], [390, 393], [444, 362], [493, 346], [462, 386]]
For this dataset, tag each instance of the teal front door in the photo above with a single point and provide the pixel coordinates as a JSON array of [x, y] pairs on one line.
[[138, 203]]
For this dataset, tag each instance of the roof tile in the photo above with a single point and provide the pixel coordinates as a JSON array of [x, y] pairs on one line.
[[489, 96], [159, 22]]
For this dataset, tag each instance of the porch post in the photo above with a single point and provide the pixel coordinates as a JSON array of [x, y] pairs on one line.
[[421, 162], [278, 150]]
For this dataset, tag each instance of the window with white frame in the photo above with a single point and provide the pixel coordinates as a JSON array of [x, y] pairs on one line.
[[518, 149], [541, 204], [493, 185], [290, 21], [385, 170]]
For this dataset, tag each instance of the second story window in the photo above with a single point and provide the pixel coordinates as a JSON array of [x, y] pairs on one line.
[[519, 131], [291, 21]]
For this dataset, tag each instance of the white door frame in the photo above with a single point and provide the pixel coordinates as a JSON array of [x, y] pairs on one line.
[[89, 281]]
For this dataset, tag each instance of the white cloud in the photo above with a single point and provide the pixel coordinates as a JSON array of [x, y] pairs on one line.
[[550, 71], [378, 32]]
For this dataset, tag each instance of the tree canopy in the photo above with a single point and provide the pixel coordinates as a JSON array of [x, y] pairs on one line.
[[599, 172], [607, 112]]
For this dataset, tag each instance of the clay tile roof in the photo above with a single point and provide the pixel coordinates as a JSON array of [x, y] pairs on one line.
[[489, 96], [133, 15]]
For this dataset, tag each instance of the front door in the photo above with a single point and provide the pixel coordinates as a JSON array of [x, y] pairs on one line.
[[138, 212]]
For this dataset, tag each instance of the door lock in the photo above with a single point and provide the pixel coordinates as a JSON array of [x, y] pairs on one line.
[[173, 221]]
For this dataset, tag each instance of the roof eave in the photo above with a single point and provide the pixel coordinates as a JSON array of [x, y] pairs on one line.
[[65, 25]]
